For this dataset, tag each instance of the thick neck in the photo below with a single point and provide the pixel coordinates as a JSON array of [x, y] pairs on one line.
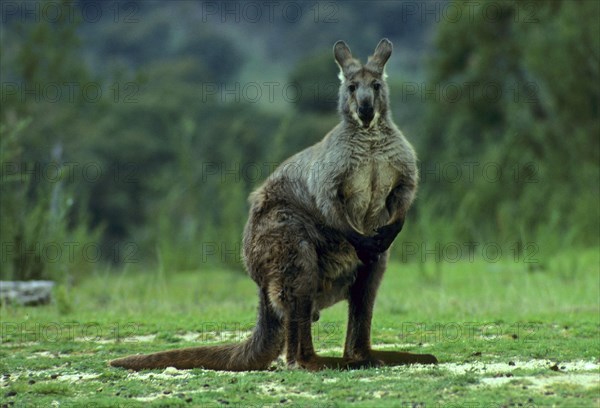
[[382, 124]]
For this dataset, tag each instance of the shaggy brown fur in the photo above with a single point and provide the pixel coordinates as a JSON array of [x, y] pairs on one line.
[[319, 231]]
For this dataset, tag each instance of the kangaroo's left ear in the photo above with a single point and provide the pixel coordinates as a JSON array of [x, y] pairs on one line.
[[381, 55]]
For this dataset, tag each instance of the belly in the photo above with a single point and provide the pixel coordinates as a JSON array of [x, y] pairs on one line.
[[365, 194]]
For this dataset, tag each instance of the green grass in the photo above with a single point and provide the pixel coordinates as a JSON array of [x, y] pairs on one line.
[[497, 329]]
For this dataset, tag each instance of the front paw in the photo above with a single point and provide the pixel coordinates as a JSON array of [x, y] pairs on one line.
[[368, 257], [385, 235], [367, 248]]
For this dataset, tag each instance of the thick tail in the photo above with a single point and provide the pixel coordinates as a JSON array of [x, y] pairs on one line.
[[264, 345]]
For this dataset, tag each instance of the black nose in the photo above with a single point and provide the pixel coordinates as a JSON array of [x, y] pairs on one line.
[[366, 112]]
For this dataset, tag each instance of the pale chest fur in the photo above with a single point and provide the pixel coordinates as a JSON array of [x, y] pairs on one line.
[[372, 176]]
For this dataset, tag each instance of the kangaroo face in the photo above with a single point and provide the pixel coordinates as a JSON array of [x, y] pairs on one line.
[[364, 97], [363, 92]]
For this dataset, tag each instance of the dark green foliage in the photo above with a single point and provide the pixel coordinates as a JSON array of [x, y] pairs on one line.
[[44, 234], [45, 231], [166, 156], [529, 129], [317, 82]]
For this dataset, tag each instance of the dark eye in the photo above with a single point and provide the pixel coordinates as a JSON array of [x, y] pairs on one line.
[[351, 88], [377, 86]]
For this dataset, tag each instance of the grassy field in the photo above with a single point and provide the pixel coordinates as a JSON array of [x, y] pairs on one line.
[[506, 334]]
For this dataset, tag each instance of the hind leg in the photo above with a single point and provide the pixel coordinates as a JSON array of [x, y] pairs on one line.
[[300, 349], [300, 286], [301, 278], [357, 349]]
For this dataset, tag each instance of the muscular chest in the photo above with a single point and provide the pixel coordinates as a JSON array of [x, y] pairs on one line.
[[366, 189]]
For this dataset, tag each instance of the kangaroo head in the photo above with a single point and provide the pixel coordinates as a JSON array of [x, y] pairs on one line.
[[363, 92]]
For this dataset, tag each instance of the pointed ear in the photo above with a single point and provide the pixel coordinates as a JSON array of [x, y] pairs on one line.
[[342, 54], [344, 59], [381, 55]]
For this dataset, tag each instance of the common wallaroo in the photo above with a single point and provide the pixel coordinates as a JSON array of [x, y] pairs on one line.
[[318, 232]]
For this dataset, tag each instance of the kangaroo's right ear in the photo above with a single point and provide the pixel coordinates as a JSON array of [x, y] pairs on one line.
[[342, 53], [343, 57]]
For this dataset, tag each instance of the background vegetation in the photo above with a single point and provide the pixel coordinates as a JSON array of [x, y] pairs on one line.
[[133, 132]]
